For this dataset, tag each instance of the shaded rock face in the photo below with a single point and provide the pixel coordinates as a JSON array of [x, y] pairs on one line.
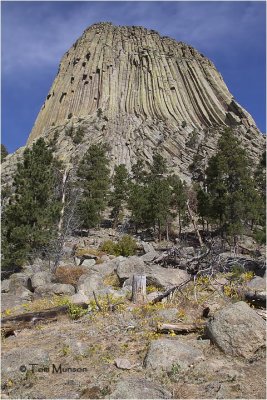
[[135, 388], [139, 92], [165, 354], [238, 331]]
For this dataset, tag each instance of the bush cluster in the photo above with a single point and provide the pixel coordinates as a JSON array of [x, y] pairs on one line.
[[125, 247]]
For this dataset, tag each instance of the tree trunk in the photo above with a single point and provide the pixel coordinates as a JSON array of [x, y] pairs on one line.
[[167, 231], [180, 223], [63, 199], [194, 223], [139, 289]]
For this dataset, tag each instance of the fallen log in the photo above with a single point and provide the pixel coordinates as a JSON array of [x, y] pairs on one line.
[[27, 320], [180, 328], [170, 291]]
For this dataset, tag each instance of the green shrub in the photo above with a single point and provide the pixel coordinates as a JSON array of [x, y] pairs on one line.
[[260, 236], [108, 247], [79, 134], [125, 247]]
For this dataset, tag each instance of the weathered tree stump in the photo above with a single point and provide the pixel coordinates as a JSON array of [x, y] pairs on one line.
[[139, 289]]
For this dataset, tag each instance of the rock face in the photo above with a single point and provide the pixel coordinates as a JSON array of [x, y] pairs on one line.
[[139, 92], [134, 388], [238, 330], [166, 354]]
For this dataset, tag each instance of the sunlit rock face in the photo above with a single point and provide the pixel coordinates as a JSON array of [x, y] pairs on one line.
[[140, 92]]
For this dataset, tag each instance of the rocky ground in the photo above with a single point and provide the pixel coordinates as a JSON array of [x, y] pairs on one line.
[[119, 352]]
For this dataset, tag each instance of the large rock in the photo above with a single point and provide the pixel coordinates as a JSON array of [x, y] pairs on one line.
[[5, 286], [54, 288], [165, 354], [148, 247], [19, 281], [103, 269], [138, 388], [90, 282], [150, 256], [41, 279], [88, 262], [156, 275], [257, 283], [228, 261], [17, 357], [130, 266], [237, 330], [11, 300], [79, 297]]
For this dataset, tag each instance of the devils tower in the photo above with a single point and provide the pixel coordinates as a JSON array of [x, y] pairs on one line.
[[141, 92]]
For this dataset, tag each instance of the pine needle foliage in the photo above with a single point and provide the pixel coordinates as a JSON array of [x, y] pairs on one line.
[[29, 220], [94, 181]]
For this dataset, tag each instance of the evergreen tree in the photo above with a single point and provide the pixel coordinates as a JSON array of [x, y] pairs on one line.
[[178, 198], [138, 195], [203, 206], [139, 174], [30, 219], [4, 152], [120, 192], [159, 195], [93, 174], [230, 187], [150, 195]]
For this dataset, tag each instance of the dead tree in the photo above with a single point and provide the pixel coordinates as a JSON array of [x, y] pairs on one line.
[[181, 328], [192, 217], [139, 289]]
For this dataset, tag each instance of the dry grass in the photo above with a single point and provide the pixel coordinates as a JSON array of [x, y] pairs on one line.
[[90, 251], [69, 275]]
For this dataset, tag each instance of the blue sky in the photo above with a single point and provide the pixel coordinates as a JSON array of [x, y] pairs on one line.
[[35, 35]]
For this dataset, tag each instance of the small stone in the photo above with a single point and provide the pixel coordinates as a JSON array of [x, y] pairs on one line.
[[123, 363]]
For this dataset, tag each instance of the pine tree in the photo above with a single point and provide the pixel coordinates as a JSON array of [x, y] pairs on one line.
[[30, 219], [4, 152], [178, 198], [230, 186], [93, 173], [120, 192], [159, 195], [138, 195]]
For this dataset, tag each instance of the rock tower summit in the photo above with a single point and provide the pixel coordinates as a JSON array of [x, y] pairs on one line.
[[134, 72], [138, 92]]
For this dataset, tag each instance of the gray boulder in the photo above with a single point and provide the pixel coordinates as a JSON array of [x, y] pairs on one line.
[[165, 354], [168, 314], [156, 275], [79, 297], [257, 283], [103, 269], [90, 262], [237, 330], [54, 288], [5, 286], [19, 281], [149, 257], [14, 358], [90, 282], [138, 388], [41, 279], [130, 266], [9, 300], [148, 247]]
